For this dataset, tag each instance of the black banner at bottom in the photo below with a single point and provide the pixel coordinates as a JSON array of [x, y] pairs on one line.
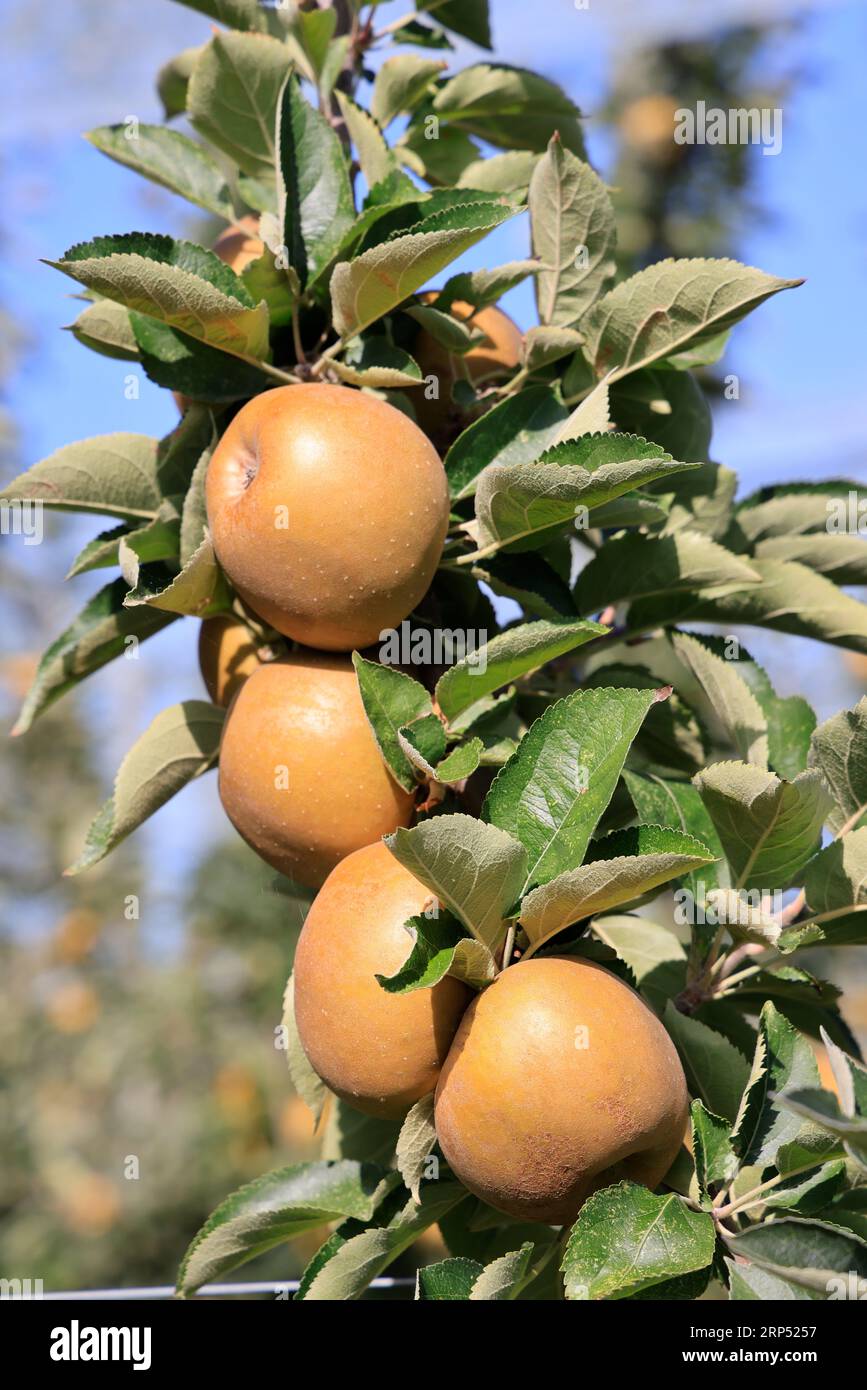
[[84, 1338]]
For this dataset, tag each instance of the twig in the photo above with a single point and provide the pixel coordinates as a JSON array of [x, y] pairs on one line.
[[286, 377], [327, 356], [509, 946], [300, 355]]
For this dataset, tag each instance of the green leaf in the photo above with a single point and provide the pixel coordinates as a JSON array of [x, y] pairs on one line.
[[377, 161], [633, 510], [475, 870], [313, 31], [809, 1194], [384, 201], [170, 159], [111, 475], [504, 658], [469, 18], [502, 173], [716, 1071], [103, 630], [193, 513], [730, 697], [552, 792], [823, 1109], [652, 953], [418, 1136], [309, 1086], [102, 551], [789, 598], [849, 1209], [315, 195], [173, 80], [841, 558], [267, 278], [849, 1076], [235, 14], [233, 94], [449, 1279], [783, 1062], [180, 452], [667, 407], [376, 362], [626, 1240], [401, 83], [276, 1208], [669, 306], [440, 948], [451, 333], [792, 510], [509, 107], [391, 700], [671, 741], [715, 1160], [625, 866], [636, 567], [703, 501], [790, 721], [364, 1138], [196, 589], [504, 1278], [808, 1254], [440, 160], [661, 801], [768, 827], [180, 744], [517, 430], [547, 344], [573, 233], [835, 884], [423, 742], [838, 749], [363, 1257], [481, 287], [178, 362], [183, 285], [751, 1283], [530, 503], [461, 762], [421, 35], [105, 328], [158, 539], [381, 278], [592, 416], [530, 581]]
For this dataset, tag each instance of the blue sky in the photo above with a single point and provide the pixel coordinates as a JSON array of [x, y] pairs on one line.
[[800, 358]]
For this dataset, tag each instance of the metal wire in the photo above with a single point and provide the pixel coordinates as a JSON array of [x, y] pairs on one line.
[[273, 1286]]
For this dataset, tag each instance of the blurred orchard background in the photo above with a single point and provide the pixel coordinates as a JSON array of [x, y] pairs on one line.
[[138, 1065]]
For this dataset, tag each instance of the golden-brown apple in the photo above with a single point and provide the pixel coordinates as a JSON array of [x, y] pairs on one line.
[[301, 777], [379, 1052], [648, 124], [560, 1080], [497, 357], [227, 656], [238, 246], [328, 510]]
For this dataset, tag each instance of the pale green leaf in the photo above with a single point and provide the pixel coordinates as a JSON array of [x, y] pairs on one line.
[[573, 234], [768, 827], [180, 744], [667, 307], [476, 870]]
